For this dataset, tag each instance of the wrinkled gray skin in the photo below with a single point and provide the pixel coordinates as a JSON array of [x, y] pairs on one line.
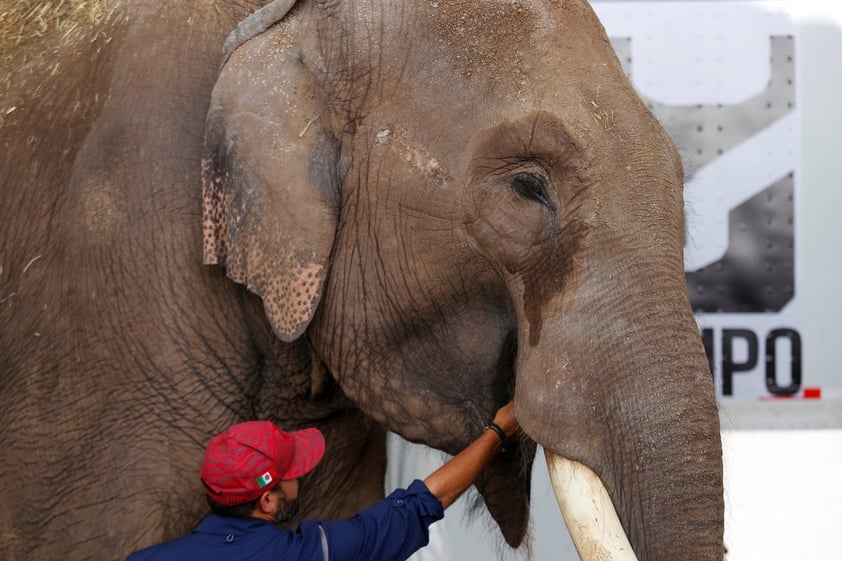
[[426, 209]]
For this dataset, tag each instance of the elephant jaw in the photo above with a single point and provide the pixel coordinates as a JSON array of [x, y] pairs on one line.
[[588, 511]]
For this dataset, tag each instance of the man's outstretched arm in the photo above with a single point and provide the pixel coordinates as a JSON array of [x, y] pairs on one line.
[[452, 479]]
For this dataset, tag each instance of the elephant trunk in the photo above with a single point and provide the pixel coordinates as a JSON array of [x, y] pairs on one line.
[[619, 394]]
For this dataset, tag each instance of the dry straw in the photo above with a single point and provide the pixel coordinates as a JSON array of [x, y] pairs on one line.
[[22, 21], [36, 36], [31, 30]]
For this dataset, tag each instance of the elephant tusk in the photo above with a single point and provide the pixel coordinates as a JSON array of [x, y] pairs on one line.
[[588, 511]]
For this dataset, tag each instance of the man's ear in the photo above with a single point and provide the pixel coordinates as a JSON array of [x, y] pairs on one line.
[[268, 503], [270, 189]]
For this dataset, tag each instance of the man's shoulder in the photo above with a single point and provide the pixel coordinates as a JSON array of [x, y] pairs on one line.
[[217, 538], [173, 549], [213, 529]]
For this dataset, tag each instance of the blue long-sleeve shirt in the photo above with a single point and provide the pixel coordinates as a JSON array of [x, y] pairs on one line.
[[392, 529]]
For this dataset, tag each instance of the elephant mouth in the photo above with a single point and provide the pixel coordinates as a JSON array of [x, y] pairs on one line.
[[588, 512]]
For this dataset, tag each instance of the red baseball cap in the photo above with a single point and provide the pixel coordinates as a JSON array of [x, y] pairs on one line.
[[250, 457]]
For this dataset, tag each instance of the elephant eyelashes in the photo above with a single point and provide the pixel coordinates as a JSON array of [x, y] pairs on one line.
[[531, 186]]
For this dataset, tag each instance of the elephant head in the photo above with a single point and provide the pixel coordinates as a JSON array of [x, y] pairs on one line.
[[460, 203]]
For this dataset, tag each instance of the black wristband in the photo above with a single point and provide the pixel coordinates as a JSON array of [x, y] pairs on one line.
[[500, 432]]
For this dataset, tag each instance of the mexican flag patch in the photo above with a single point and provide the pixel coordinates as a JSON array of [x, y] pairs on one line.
[[264, 480]]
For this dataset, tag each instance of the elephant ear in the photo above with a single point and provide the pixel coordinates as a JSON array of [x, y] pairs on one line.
[[269, 183]]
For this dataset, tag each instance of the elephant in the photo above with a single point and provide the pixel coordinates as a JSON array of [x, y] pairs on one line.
[[364, 217]]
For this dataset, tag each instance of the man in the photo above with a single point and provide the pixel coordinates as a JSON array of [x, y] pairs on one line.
[[252, 472]]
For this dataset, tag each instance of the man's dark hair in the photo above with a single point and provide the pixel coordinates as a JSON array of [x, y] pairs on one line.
[[242, 510]]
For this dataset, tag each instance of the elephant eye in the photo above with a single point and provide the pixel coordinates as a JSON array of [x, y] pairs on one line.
[[531, 186]]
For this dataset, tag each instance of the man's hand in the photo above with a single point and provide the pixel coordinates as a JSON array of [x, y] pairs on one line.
[[506, 420]]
